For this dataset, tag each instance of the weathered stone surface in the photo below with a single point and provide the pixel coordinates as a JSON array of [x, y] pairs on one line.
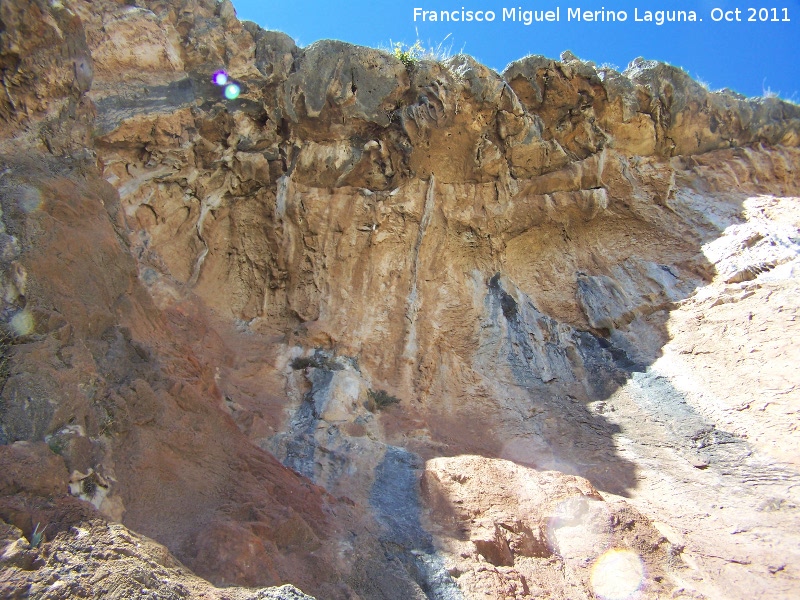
[[101, 388], [362, 83], [693, 120], [275, 52], [435, 294], [539, 532], [105, 560], [31, 468], [651, 108]]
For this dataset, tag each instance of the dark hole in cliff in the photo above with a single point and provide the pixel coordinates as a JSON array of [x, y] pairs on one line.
[[509, 306], [284, 129]]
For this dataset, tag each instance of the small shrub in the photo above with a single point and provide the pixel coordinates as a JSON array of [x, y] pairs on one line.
[[410, 56], [56, 444], [317, 361], [382, 398], [89, 486], [304, 362]]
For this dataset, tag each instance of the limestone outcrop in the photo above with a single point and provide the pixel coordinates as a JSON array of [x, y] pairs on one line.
[[387, 331]]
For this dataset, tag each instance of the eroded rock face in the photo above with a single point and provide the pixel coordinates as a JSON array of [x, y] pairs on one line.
[[393, 333], [513, 532], [98, 559]]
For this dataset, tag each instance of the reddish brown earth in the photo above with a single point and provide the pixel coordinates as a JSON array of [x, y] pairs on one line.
[[387, 332]]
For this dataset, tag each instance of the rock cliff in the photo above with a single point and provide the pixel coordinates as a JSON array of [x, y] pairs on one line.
[[387, 331]]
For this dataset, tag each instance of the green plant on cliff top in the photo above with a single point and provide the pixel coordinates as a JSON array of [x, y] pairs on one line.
[[410, 55]]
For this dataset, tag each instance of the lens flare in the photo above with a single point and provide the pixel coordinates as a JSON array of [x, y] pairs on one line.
[[219, 78], [617, 574], [232, 91], [579, 528], [22, 323]]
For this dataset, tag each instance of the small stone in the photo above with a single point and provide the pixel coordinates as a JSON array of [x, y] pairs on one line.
[[776, 568]]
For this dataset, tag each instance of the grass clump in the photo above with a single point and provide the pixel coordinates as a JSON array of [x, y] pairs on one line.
[[37, 536], [411, 55]]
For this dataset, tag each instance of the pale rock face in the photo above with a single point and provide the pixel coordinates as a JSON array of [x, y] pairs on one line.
[[389, 332], [132, 39], [513, 532]]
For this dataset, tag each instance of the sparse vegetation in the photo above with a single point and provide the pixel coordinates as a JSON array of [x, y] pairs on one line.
[[703, 83], [56, 444], [316, 361], [106, 427], [89, 486], [411, 55], [408, 56], [768, 93], [37, 536], [304, 362], [607, 66], [6, 341], [381, 398]]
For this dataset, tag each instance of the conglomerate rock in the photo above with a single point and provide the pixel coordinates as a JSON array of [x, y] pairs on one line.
[[387, 331]]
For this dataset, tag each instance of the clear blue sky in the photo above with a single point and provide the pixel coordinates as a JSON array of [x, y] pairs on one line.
[[749, 57]]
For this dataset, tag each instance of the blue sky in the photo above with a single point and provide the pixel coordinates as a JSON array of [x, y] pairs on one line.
[[750, 57]]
